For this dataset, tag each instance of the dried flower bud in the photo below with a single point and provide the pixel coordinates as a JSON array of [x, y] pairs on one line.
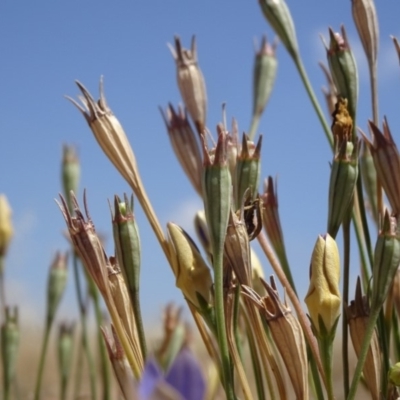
[[70, 171], [57, 281], [9, 348], [248, 168], [237, 249], [323, 296], [264, 74], [344, 170], [278, 15], [121, 368], [387, 163], [185, 144], [191, 82], [366, 21], [287, 335], [6, 228], [343, 69], [358, 315], [272, 225], [386, 261], [191, 272]]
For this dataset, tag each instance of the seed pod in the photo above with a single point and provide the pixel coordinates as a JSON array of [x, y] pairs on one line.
[[71, 172], [191, 82], [343, 69], [57, 281], [278, 15]]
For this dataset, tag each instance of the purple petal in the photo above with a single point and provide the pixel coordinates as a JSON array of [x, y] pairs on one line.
[[151, 376], [186, 376]]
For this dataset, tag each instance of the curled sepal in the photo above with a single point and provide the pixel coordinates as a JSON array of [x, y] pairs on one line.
[[343, 68], [386, 261], [191, 82], [287, 334], [357, 316], [192, 274], [278, 15], [387, 162]]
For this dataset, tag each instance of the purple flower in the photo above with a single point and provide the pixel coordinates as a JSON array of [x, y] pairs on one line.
[[183, 381]]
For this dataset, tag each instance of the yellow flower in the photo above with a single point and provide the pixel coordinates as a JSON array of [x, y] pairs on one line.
[[323, 297], [6, 228]]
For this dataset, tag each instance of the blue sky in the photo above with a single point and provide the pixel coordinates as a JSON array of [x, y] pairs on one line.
[[46, 45]]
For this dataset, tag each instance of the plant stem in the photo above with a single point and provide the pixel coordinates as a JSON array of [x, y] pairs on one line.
[[345, 302], [42, 359], [85, 341], [326, 355]]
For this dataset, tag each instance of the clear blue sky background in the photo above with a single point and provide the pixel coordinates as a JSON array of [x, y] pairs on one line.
[[46, 45]]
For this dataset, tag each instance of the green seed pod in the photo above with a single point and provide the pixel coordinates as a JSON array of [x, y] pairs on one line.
[[56, 284], [71, 171], [264, 75], [65, 352], [217, 192], [127, 242], [248, 168], [9, 348], [386, 261], [278, 15], [343, 69], [368, 174], [342, 183]]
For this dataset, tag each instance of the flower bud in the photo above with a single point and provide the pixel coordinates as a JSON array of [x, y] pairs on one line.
[[387, 163], [191, 82], [344, 170], [9, 348], [264, 75], [6, 228], [191, 272], [386, 261], [248, 168], [358, 315], [323, 296], [56, 284], [71, 172], [278, 15], [185, 144], [343, 69], [237, 249]]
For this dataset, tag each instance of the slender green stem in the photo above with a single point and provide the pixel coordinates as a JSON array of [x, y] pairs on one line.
[[373, 317], [315, 375], [85, 341], [325, 346], [221, 327], [42, 359], [135, 301], [281, 254], [255, 120], [105, 365], [345, 302], [383, 338], [313, 98], [396, 335]]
